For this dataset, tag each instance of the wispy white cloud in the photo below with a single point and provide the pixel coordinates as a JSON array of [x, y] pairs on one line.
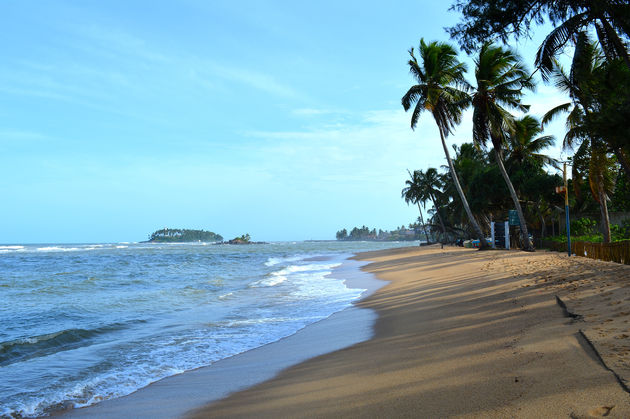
[[257, 80], [376, 145]]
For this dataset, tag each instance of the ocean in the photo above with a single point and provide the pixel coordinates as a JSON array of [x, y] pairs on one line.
[[85, 323]]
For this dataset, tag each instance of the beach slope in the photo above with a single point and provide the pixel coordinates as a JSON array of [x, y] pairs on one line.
[[460, 333]]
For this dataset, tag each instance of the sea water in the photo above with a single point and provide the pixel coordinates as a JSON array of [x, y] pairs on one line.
[[84, 323]]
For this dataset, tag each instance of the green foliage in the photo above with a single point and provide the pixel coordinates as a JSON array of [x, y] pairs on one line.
[[365, 234], [244, 239], [177, 235], [583, 227], [620, 232]]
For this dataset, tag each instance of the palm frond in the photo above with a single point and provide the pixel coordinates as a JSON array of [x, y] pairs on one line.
[[551, 114], [555, 42]]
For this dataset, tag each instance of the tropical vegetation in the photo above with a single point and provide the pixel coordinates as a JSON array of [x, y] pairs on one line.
[[505, 167], [402, 233]]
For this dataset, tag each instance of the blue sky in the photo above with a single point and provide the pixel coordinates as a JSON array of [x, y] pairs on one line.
[[281, 119]]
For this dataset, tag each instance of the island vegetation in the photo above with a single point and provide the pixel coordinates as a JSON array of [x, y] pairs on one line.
[[181, 235]]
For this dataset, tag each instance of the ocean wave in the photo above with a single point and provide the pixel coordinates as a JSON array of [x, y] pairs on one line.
[[26, 348], [310, 270], [63, 249], [11, 249], [273, 261]]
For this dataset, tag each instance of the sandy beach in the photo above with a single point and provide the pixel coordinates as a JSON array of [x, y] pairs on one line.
[[462, 333]]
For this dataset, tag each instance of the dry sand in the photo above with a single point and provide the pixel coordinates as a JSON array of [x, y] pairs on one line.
[[463, 333]]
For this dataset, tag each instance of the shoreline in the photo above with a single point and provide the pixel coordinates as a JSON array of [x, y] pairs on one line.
[[459, 333], [176, 395]]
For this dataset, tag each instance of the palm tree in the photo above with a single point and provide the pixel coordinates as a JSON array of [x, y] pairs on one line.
[[588, 60], [430, 184], [523, 145], [440, 77], [601, 180], [611, 21], [501, 78], [413, 193]]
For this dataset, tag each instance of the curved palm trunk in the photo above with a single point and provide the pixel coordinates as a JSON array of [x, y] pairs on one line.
[[527, 244], [424, 226], [482, 240]]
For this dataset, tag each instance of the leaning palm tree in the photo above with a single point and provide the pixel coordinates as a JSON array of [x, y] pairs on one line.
[[501, 78], [440, 91]]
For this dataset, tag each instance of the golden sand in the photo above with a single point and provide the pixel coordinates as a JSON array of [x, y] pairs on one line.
[[463, 333]]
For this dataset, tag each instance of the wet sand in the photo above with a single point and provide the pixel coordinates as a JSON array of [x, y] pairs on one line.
[[462, 333]]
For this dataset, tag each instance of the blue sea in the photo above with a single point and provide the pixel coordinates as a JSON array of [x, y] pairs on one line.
[[84, 323]]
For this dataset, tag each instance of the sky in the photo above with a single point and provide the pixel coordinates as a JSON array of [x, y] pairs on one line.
[[281, 119]]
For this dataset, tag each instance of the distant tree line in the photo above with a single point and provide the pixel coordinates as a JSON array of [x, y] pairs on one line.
[[166, 235], [364, 234]]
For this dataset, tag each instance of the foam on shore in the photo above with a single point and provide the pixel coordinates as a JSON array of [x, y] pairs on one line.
[[176, 395]]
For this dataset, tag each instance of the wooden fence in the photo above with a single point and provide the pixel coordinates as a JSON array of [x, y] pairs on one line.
[[618, 252]]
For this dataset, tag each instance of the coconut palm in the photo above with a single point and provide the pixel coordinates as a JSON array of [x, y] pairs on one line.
[[440, 91], [611, 20], [501, 78], [523, 145], [413, 193], [430, 183], [588, 61]]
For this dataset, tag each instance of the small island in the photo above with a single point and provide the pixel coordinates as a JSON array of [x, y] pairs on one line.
[[244, 239], [181, 235]]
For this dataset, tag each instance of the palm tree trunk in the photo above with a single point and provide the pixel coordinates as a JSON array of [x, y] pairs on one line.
[[527, 245], [482, 240], [603, 208], [424, 226]]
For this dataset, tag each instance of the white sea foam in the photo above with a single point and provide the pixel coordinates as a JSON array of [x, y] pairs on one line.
[[273, 261]]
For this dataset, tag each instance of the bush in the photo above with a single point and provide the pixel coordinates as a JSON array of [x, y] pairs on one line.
[[583, 227]]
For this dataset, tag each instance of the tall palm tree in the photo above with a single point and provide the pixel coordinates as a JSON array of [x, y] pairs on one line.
[[440, 77], [501, 78], [413, 193], [587, 61]]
